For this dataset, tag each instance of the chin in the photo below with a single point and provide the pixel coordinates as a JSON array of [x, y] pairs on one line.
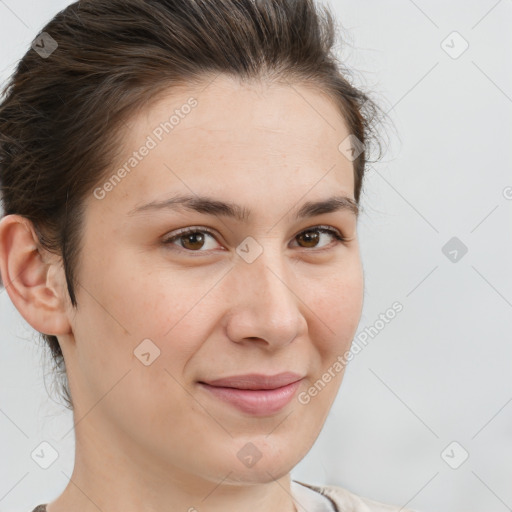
[[258, 475]]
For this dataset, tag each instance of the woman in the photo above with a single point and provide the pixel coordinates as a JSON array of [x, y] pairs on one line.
[[181, 182]]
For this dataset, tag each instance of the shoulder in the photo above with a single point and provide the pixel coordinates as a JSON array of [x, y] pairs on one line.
[[346, 501]]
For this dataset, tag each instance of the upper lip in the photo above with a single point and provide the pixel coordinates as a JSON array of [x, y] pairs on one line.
[[255, 381]]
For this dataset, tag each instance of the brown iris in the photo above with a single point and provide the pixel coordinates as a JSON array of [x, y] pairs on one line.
[[310, 237], [196, 240]]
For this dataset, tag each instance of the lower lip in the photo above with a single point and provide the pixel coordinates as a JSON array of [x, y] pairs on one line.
[[256, 401]]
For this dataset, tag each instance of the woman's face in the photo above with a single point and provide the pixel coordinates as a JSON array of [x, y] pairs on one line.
[[264, 294]]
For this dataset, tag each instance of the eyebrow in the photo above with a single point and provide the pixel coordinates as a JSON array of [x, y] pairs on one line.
[[211, 206]]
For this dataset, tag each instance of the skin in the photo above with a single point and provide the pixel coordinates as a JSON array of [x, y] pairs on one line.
[[148, 437]]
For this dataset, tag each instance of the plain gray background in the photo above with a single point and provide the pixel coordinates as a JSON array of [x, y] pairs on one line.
[[439, 372]]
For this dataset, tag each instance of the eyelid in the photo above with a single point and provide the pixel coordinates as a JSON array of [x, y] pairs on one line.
[[335, 232]]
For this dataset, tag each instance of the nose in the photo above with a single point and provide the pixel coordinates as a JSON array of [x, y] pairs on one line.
[[264, 307]]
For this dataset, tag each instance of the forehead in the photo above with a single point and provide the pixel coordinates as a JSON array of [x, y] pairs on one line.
[[227, 137], [239, 111]]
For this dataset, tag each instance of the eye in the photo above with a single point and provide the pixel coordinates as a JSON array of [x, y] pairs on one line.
[[194, 239], [311, 236]]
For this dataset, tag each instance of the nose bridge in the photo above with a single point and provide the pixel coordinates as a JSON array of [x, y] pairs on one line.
[[270, 274], [266, 308]]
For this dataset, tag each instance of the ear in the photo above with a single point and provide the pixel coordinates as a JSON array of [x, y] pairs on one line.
[[33, 278]]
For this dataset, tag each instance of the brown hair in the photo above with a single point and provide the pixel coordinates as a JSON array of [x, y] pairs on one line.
[[61, 119]]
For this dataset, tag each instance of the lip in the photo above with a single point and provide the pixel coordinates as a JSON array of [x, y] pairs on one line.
[[255, 393], [255, 381]]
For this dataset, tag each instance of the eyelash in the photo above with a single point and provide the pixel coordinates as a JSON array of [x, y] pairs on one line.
[[187, 231]]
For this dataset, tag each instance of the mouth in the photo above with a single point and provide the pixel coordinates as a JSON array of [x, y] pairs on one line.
[[255, 394]]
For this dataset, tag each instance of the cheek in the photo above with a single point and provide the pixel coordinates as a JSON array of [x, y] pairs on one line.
[[128, 317], [337, 312], [337, 304], [144, 301]]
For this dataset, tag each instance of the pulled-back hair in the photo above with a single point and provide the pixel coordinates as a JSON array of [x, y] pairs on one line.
[[97, 62]]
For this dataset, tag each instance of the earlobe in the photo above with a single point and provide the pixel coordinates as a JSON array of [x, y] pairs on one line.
[[32, 283]]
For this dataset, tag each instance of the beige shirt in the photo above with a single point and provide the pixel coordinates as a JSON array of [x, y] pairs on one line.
[[330, 498]]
